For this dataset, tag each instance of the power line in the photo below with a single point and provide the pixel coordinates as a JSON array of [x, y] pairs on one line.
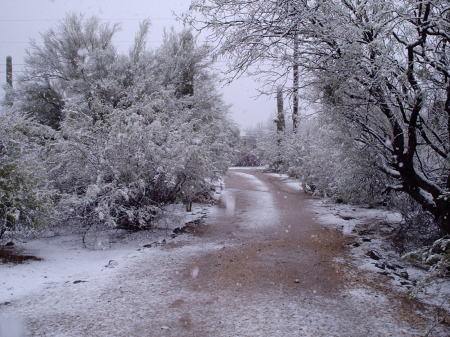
[[120, 41], [13, 42], [101, 19]]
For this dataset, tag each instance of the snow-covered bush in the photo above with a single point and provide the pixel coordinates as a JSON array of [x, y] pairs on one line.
[[326, 158], [122, 170], [25, 199], [249, 150], [339, 165], [108, 170], [436, 256], [133, 132], [75, 57]]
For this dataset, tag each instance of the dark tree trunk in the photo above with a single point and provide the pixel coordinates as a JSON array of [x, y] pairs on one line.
[[280, 122], [295, 86], [9, 71], [281, 125]]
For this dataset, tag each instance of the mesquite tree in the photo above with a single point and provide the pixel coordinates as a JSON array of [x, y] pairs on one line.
[[72, 59]]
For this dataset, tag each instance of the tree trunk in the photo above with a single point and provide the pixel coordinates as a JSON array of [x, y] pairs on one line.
[[9, 73], [281, 125], [280, 122], [295, 86], [443, 214]]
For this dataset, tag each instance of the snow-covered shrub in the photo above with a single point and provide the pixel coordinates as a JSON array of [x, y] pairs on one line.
[[75, 57], [25, 199], [341, 167], [121, 170], [247, 159], [436, 256], [133, 132], [327, 159], [247, 153]]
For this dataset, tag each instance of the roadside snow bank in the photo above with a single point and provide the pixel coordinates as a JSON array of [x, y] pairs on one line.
[[261, 186], [248, 168], [293, 183]]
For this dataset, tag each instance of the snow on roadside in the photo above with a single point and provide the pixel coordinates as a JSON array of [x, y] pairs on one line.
[[250, 168], [65, 261], [288, 181], [44, 312], [260, 185], [372, 252], [346, 217]]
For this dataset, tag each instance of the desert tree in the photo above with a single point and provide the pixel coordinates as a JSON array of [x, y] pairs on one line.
[[71, 59]]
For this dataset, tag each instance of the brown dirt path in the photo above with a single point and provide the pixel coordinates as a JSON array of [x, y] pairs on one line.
[[278, 262]]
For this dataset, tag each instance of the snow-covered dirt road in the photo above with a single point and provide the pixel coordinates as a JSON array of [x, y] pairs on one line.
[[260, 266]]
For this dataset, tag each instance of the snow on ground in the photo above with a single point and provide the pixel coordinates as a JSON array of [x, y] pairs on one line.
[[260, 168], [263, 213], [346, 217], [261, 186], [113, 285], [264, 316], [65, 260], [375, 254], [288, 181]]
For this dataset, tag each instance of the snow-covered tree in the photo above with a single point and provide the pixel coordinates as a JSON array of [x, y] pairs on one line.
[[74, 58]]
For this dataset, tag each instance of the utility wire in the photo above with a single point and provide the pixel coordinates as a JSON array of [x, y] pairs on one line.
[[120, 41], [114, 19]]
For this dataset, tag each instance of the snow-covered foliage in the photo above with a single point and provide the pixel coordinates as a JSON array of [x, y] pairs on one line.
[[436, 256], [24, 195], [131, 133], [326, 159]]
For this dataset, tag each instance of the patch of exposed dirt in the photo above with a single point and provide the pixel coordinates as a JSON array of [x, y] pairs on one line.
[[196, 227], [12, 255]]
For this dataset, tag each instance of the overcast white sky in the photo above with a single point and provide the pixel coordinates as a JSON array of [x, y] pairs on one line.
[[22, 20]]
